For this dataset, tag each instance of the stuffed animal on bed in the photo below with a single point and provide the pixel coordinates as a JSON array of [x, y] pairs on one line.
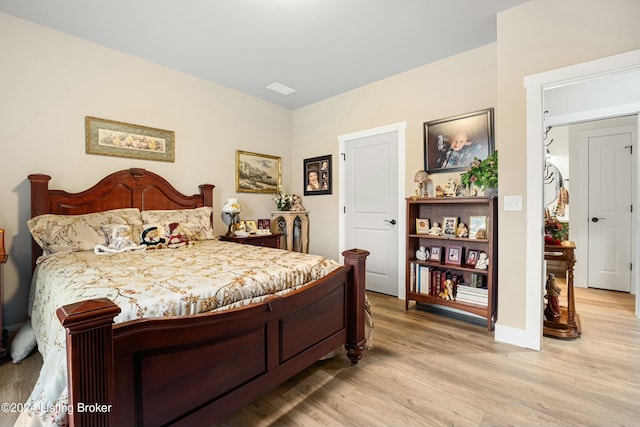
[[176, 239], [157, 236], [153, 237], [117, 239]]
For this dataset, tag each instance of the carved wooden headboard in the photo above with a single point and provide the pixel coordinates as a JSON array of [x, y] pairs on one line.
[[129, 188]]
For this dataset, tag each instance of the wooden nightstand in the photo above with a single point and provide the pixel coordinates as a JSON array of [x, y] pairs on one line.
[[268, 240], [3, 332]]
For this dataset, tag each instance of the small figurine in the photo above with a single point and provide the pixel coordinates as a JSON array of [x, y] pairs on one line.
[[450, 188], [462, 230], [296, 204], [439, 191], [436, 230], [552, 310], [421, 254], [447, 291], [481, 234], [483, 261]]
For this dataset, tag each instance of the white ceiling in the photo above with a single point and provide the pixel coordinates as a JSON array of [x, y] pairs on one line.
[[320, 48]]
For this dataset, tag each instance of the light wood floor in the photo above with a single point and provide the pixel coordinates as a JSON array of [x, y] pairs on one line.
[[427, 370]]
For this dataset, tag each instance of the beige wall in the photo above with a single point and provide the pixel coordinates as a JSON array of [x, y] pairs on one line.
[[50, 81], [455, 85], [538, 36]]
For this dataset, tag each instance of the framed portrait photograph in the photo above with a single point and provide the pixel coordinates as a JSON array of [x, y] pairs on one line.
[[422, 226], [435, 254], [449, 225], [452, 143], [119, 139], [264, 224], [257, 173], [454, 255], [472, 258], [317, 175], [477, 227]]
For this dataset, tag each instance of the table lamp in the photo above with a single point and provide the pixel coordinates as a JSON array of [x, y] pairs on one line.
[[231, 214], [421, 178]]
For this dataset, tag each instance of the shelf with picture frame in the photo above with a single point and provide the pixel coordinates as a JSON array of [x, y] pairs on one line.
[[455, 255]]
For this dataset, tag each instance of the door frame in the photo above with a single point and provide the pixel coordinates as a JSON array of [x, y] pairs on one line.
[[535, 86], [343, 140]]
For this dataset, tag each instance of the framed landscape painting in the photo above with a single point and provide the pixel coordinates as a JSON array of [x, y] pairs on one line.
[[257, 173]]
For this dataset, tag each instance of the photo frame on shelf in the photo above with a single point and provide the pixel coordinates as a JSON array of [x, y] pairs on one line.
[[264, 224], [112, 138], [422, 226], [435, 254], [449, 226], [472, 258], [257, 173], [250, 226], [454, 255], [451, 144], [317, 175], [477, 227]]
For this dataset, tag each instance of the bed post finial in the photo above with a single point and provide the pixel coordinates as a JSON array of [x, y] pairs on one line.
[[39, 200], [356, 258], [138, 173], [90, 359], [39, 189], [207, 191]]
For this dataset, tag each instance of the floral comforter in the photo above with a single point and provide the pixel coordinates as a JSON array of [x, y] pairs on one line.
[[208, 275]]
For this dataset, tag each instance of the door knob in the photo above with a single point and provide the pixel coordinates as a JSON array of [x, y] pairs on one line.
[[595, 219], [392, 222]]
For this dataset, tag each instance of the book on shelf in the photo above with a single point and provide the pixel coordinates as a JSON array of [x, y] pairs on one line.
[[420, 278], [472, 295]]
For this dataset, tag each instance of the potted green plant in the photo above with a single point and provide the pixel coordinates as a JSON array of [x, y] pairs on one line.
[[482, 174]]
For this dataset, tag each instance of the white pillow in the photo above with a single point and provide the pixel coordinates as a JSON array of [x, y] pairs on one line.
[[23, 343]]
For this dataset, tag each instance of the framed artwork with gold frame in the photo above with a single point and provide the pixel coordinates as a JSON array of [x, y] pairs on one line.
[[257, 173], [119, 139]]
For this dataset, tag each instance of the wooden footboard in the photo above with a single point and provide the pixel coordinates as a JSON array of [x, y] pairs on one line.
[[195, 370]]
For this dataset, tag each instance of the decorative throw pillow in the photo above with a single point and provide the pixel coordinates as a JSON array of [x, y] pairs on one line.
[[195, 224], [70, 233], [23, 343]]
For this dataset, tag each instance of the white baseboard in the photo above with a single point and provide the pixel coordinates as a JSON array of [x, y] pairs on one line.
[[509, 335]]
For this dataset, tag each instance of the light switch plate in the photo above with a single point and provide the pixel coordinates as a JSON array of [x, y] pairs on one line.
[[513, 203]]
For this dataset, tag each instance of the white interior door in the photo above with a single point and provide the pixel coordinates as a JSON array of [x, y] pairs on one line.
[[610, 158], [371, 206]]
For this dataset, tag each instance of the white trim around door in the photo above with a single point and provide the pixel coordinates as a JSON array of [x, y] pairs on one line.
[[536, 85], [400, 128]]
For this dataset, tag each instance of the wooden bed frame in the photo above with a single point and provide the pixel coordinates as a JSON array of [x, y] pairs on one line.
[[192, 370]]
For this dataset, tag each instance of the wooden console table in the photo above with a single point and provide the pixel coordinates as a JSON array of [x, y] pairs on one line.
[[568, 325]]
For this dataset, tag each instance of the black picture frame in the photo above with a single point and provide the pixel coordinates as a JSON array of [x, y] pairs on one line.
[[321, 166], [452, 143], [472, 257]]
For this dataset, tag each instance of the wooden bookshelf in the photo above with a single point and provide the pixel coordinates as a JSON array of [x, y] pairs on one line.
[[476, 300]]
